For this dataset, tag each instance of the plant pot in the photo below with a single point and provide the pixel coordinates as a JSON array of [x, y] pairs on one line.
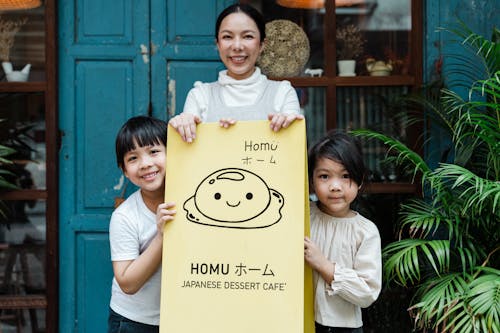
[[346, 67]]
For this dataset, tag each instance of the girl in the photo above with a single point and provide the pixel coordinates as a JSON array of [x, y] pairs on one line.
[[135, 231], [344, 247], [241, 92]]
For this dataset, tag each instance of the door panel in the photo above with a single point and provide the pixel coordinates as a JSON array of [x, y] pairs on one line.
[[116, 59], [94, 79], [104, 79], [92, 289], [182, 75]]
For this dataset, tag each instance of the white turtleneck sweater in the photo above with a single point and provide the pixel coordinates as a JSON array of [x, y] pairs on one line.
[[244, 92]]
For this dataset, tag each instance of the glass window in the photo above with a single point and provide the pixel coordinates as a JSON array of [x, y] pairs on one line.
[[22, 41], [22, 127]]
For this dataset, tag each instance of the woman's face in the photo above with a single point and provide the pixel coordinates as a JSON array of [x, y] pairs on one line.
[[239, 45]]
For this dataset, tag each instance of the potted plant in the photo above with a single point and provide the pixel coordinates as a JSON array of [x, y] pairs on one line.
[[8, 30], [350, 45], [15, 153], [5, 174], [448, 251]]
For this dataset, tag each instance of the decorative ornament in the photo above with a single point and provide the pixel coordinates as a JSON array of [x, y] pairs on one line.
[[286, 49]]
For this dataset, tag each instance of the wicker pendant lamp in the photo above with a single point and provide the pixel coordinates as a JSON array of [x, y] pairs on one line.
[[314, 4], [19, 4], [307, 4]]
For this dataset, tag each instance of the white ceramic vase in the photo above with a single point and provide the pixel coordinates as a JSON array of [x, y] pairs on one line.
[[16, 76], [346, 67]]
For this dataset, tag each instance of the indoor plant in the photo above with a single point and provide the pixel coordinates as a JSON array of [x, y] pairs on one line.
[[8, 30], [350, 45], [5, 173], [448, 251]]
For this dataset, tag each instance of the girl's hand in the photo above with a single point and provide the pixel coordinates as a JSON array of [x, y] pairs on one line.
[[226, 123], [164, 213], [185, 125], [280, 120], [317, 260]]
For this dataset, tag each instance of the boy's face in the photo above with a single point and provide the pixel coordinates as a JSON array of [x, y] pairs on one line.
[[145, 167]]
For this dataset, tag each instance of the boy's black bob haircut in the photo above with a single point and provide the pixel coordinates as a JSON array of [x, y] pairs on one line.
[[140, 130], [342, 148]]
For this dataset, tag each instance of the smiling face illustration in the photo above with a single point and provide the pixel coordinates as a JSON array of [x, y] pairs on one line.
[[232, 195], [234, 198]]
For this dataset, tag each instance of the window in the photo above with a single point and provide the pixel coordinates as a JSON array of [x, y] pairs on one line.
[[28, 238], [384, 37]]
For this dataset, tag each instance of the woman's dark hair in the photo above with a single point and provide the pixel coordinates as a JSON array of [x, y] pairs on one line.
[[342, 148], [140, 130], [245, 9]]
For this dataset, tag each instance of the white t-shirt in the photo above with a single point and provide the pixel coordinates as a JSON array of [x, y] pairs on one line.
[[353, 244], [131, 230], [242, 93]]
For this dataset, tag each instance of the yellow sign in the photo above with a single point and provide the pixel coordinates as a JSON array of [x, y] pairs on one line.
[[233, 258]]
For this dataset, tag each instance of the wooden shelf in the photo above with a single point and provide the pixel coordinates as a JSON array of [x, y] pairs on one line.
[[30, 87], [24, 195], [390, 188], [352, 81], [391, 80]]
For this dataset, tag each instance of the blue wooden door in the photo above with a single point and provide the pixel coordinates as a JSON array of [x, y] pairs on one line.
[[117, 59]]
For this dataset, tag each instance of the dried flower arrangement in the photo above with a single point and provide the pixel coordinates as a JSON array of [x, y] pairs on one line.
[[350, 42], [8, 30]]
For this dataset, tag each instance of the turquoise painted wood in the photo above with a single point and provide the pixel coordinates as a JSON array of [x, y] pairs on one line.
[[117, 59], [481, 16]]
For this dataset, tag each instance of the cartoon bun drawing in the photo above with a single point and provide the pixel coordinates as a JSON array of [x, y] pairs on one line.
[[234, 198]]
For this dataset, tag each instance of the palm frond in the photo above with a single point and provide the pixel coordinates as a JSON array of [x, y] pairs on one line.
[[404, 260], [404, 154], [478, 194], [437, 296], [478, 309]]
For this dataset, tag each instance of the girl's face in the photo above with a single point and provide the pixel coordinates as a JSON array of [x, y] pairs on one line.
[[334, 188], [145, 168], [239, 45]]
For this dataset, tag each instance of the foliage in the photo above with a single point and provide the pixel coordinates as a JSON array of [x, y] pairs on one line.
[[449, 239], [350, 42], [5, 152]]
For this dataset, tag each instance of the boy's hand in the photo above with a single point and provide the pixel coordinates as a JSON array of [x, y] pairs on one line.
[[280, 120], [185, 125], [164, 213]]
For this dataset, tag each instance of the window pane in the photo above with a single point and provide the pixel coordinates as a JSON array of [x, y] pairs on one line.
[[28, 43], [378, 30], [310, 20], [22, 263], [22, 127], [312, 102], [374, 108]]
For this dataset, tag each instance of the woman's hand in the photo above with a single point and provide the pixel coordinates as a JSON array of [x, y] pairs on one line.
[[226, 122], [164, 213], [280, 120], [185, 125]]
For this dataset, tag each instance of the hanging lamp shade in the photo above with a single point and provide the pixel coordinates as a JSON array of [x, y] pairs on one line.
[[314, 4], [19, 4], [308, 4]]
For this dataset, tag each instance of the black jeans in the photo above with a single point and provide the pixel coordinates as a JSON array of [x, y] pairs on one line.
[[119, 324], [325, 329]]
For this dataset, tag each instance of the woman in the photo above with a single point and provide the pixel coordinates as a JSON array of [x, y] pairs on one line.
[[241, 92]]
